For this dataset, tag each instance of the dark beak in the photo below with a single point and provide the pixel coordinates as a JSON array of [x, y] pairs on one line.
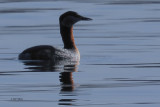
[[85, 18]]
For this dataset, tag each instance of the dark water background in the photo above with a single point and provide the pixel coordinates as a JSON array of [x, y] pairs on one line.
[[120, 49]]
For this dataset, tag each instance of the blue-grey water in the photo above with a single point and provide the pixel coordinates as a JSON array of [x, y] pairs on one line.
[[120, 49]]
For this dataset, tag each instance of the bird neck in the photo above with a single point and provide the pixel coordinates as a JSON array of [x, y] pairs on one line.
[[67, 37]]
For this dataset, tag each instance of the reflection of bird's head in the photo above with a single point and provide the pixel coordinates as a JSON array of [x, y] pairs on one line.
[[69, 18]]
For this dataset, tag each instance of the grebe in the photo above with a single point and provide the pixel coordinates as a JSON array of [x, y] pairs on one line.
[[70, 51]]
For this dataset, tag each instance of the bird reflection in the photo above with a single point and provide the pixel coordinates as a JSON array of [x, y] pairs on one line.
[[51, 66], [66, 79], [67, 83]]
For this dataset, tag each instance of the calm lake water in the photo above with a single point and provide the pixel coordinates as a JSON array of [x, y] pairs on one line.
[[120, 49]]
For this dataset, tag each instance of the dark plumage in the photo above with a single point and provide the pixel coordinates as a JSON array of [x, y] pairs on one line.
[[46, 52]]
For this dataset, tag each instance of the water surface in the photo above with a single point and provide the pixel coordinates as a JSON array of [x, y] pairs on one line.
[[120, 47]]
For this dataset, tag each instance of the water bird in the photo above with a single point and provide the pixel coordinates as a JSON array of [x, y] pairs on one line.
[[47, 52]]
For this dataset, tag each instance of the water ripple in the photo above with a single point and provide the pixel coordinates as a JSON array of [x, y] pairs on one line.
[[132, 65], [24, 10], [131, 2], [121, 82]]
